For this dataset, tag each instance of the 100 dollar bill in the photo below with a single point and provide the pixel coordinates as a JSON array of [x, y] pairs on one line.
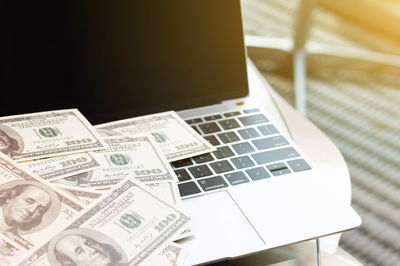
[[127, 225], [31, 210], [126, 157], [47, 134], [175, 138]]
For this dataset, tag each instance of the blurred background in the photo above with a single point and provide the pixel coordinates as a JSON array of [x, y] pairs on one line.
[[353, 95]]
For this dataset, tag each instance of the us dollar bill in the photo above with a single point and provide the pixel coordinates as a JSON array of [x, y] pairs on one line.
[[126, 226], [62, 166], [47, 134], [167, 191], [31, 210], [175, 138], [172, 255], [126, 157]]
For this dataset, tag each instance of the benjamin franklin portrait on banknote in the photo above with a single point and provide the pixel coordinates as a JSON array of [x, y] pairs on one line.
[[26, 206], [85, 246]]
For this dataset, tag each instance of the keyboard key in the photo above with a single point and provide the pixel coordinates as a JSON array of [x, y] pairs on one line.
[[203, 158], [248, 133], [196, 129], [200, 171], [271, 142], [212, 117], [212, 183], [276, 166], [249, 111], [267, 130], [213, 140], [257, 173], [182, 163], [242, 162], [236, 178], [221, 166], [253, 119], [228, 137], [223, 152], [194, 121], [229, 124], [209, 128], [230, 114], [281, 172], [298, 165], [278, 169], [275, 155], [182, 175], [188, 188], [242, 148]]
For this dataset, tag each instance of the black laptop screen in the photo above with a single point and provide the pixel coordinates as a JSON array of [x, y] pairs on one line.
[[119, 59]]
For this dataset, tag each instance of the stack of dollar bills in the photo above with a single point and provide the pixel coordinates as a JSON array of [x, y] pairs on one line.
[[76, 194]]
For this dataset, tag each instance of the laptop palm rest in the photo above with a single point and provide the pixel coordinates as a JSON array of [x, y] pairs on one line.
[[281, 212], [220, 229]]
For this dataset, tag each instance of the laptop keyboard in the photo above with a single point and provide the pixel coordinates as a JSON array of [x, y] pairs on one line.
[[249, 148]]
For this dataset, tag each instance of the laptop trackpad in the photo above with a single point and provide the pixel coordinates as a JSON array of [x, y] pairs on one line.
[[220, 229], [283, 213]]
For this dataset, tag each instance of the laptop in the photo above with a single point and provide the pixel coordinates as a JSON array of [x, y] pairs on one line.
[[115, 60]]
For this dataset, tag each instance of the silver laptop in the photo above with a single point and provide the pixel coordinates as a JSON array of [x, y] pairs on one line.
[[115, 60]]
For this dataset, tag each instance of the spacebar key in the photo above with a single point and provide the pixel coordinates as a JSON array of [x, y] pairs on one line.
[[275, 155]]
